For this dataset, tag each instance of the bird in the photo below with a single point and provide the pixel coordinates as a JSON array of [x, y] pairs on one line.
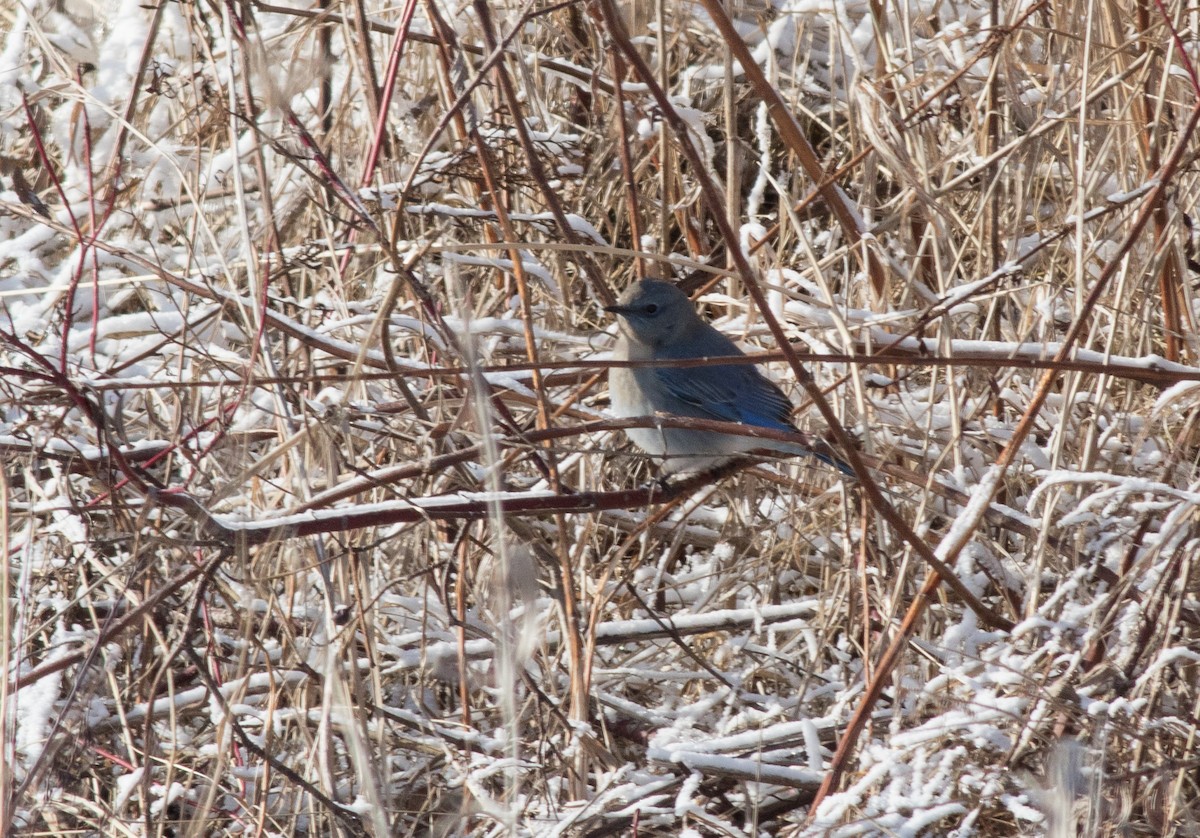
[[658, 324]]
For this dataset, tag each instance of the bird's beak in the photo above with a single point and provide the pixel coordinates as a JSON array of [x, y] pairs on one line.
[[617, 309]]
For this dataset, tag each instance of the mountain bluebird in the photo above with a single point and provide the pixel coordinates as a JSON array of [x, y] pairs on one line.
[[659, 324]]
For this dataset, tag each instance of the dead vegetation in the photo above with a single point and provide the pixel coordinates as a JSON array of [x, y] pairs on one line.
[[315, 524]]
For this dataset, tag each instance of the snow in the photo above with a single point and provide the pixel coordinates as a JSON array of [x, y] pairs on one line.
[[669, 667]]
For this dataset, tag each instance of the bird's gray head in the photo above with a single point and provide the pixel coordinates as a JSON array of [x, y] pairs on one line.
[[655, 313]]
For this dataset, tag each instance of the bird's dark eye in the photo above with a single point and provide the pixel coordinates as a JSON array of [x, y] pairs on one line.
[[652, 308]]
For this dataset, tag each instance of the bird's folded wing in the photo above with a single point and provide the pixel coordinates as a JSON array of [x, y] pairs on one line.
[[728, 393]]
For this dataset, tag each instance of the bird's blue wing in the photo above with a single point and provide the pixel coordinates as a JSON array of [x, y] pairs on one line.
[[733, 393], [730, 393]]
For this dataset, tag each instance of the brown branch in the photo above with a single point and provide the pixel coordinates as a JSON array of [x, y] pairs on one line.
[[793, 136], [891, 656]]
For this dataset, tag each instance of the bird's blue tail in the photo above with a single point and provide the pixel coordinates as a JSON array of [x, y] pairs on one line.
[[830, 460]]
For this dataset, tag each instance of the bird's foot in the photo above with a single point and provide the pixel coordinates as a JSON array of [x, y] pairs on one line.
[[658, 484]]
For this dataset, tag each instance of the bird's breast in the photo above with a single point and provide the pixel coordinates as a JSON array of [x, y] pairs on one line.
[[626, 395]]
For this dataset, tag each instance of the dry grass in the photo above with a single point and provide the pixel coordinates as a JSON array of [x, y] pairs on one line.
[[314, 523]]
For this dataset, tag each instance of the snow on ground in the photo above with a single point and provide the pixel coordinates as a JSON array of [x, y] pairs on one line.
[[316, 522]]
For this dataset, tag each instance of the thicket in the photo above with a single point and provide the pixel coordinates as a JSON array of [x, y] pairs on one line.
[[316, 524]]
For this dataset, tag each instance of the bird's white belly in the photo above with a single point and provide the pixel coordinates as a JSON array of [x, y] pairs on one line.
[[627, 401]]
